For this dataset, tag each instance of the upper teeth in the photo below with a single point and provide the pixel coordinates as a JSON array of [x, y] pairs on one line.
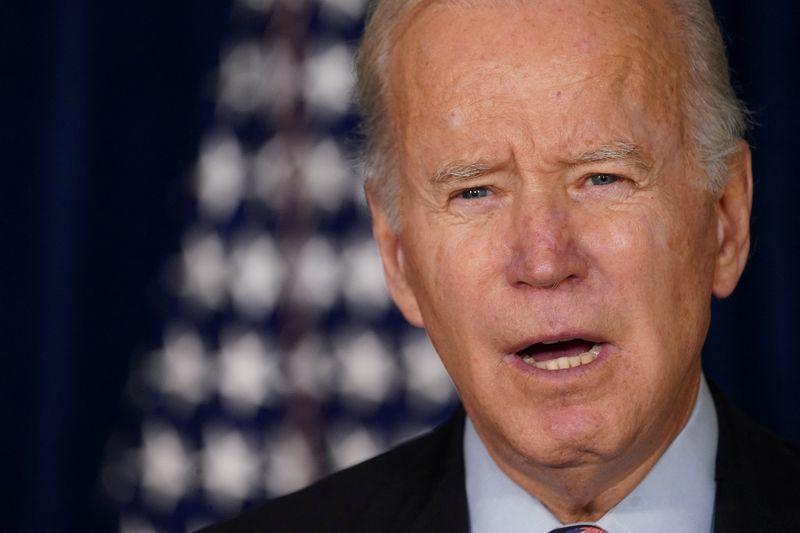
[[566, 361], [553, 342]]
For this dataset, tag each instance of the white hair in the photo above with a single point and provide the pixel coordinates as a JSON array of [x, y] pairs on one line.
[[716, 119]]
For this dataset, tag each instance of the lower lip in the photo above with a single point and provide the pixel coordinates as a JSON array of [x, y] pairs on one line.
[[515, 361]]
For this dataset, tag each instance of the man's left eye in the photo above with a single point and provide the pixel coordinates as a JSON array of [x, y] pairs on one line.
[[473, 193], [603, 179]]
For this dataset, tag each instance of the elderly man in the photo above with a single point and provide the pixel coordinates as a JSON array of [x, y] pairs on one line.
[[558, 188]]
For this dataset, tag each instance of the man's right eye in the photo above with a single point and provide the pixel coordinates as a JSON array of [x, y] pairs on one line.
[[474, 193]]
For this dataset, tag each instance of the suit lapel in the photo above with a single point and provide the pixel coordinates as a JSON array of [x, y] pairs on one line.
[[447, 509], [431, 497]]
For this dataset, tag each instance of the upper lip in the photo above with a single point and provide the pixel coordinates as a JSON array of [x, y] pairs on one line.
[[555, 337]]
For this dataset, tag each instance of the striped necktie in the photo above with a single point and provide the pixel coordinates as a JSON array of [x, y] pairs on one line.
[[579, 529]]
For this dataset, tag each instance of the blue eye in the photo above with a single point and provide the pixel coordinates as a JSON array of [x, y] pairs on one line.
[[474, 193], [603, 179]]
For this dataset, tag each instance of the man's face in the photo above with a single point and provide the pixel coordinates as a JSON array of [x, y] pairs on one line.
[[548, 194]]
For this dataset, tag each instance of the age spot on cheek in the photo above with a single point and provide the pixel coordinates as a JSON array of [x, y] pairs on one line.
[[455, 119]]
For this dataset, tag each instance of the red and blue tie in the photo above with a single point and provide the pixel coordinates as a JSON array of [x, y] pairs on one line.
[[580, 529]]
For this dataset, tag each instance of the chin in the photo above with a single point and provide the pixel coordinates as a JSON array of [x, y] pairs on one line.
[[569, 437]]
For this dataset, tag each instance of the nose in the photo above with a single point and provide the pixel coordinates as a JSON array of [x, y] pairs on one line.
[[544, 244]]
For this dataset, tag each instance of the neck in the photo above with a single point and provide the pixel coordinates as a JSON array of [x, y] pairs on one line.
[[584, 492]]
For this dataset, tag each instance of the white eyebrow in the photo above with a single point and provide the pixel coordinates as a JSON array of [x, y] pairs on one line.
[[458, 171], [615, 151], [455, 171]]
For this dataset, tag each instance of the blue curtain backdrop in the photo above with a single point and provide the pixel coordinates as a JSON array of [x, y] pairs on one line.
[[104, 105]]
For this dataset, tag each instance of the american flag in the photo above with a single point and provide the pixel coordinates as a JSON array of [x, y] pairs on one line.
[[283, 358]]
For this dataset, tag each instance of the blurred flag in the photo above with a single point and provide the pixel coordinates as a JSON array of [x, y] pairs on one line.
[[283, 358]]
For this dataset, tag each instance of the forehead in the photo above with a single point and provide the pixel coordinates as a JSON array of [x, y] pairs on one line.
[[448, 53]]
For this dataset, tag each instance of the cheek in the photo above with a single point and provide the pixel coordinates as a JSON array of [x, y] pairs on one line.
[[646, 245], [627, 248], [456, 270], [466, 265], [633, 269], [660, 267]]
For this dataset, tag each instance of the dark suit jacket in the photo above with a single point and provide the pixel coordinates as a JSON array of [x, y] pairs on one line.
[[419, 487]]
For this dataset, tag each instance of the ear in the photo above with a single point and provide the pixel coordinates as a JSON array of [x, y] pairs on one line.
[[733, 208], [393, 259]]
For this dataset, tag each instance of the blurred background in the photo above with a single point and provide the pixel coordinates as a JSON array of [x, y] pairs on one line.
[[194, 314]]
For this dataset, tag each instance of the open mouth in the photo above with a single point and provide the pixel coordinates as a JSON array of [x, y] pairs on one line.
[[560, 354]]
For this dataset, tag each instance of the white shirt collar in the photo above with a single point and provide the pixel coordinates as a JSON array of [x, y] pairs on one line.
[[676, 495]]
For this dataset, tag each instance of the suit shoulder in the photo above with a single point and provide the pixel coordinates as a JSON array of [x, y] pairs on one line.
[[757, 474], [340, 501], [752, 452]]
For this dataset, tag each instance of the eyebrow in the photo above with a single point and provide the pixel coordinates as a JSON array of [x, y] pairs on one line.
[[615, 151], [455, 171], [458, 171]]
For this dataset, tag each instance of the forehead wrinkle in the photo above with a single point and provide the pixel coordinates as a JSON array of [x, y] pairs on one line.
[[647, 76]]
